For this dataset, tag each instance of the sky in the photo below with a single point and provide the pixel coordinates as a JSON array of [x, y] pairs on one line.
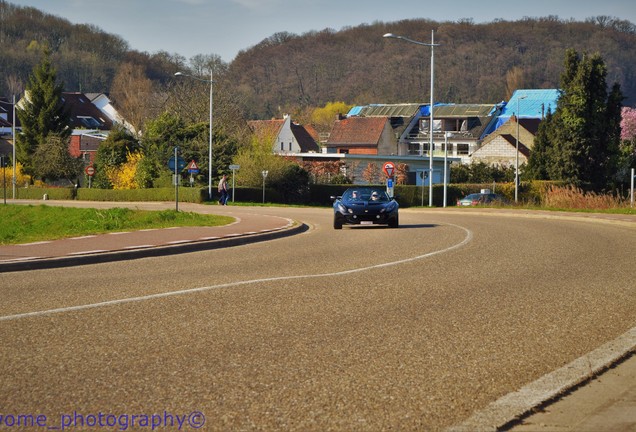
[[225, 27]]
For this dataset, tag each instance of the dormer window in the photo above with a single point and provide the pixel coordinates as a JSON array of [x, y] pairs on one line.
[[89, 122]]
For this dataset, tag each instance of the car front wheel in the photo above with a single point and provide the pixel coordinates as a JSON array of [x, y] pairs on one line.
[[337, 224], [394, 223]]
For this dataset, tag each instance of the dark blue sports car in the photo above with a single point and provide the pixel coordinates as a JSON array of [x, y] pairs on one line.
[[365, 205]]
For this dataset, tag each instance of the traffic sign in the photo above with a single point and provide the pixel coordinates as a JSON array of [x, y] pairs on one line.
[[180, 163], [90, 170], [193, 168], [388, 168], [234, 167]]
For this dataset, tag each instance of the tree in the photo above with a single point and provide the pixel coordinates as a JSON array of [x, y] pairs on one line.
[[580, 143], [628, 123], [132, 91], [256, 157], [371, 173], [112, 153], [52, 160], [538, 162], [323, 118], [41, 114]]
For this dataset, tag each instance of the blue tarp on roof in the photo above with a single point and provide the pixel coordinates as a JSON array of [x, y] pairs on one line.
[[355, 111], [530, 103], [533, 104], [425, 110]]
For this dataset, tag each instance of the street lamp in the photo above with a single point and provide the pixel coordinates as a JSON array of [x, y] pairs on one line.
[[264, 173], [517, 153], [211, 81], [446, 136], [14, 146], [430, 147]]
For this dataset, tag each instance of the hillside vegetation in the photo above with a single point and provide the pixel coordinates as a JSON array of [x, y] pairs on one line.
[[287, 73]]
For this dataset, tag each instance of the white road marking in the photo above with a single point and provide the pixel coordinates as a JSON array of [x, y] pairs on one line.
[[34, 243], [88, 252], [21, 259], [468, 237], [83, 237]]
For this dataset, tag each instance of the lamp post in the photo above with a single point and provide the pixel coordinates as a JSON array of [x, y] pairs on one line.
[[264, 173], [517, 153], [430, 147], [13, 182], [211, 81], [446, 136]]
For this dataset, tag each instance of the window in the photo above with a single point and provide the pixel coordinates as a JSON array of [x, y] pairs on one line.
[[462, 149], [425, 125], [290, 146], [414, 149], [450, 147], [89, 122], [282, 146]]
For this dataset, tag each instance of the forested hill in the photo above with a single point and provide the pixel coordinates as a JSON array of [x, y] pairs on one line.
[[286, 73], [476, 63]]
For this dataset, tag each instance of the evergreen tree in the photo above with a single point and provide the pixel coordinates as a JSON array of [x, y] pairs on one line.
[[537, 168], [41, 114], [581, 139]]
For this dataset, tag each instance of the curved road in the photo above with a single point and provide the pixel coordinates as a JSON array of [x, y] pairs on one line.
[[367, 328]]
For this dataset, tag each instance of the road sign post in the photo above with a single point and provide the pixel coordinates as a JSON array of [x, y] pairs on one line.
[[90, 172], [632, 204], [234, 168]]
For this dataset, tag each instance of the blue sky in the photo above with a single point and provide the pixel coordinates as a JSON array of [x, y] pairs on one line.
[[224, 27]]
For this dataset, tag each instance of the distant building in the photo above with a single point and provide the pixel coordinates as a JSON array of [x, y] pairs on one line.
[[362, 135], [529, 107], [287, 137]]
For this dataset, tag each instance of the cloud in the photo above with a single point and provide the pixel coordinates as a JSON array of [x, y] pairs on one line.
[[258, 4]]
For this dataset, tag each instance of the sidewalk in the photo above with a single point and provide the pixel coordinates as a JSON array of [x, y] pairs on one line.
[[605, 403], [91, 249]]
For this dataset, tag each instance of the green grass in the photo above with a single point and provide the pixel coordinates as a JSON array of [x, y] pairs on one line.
[[26, 224]]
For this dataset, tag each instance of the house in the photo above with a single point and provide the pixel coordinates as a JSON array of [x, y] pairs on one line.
[[499, 148], [464, 124], [6, 117], [105, 105], [519, 119], [84, 114], [287, 137], [362, 135], [371, 129], [85, 145], [461, 126]]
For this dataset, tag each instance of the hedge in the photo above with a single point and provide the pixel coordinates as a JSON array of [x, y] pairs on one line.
[[318, 194]]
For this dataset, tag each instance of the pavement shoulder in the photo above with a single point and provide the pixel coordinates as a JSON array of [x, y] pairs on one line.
[[249, 227]]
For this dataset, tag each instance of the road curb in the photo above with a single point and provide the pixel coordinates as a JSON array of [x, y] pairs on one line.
[[512, 408], [155, 251]]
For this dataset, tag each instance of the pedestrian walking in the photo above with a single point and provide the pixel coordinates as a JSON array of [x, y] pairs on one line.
[[223, 195]]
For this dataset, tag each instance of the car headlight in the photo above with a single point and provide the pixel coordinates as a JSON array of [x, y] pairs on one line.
[[389, 208], [341, 208]]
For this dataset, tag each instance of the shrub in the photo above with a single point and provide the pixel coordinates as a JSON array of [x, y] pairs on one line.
[[572, 197]]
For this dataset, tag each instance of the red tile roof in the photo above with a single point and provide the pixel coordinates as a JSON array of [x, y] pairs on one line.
[[357, 131]]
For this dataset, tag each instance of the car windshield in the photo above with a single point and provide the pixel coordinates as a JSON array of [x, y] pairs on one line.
[[473, 196], [365, 194]]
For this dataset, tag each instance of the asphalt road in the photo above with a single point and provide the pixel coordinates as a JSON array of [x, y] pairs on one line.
[[367, 328]]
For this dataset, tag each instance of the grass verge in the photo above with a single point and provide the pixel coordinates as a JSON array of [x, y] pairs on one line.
[[26, 224]]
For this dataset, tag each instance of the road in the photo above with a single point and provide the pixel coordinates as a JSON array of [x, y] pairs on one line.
[[367, 328]]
